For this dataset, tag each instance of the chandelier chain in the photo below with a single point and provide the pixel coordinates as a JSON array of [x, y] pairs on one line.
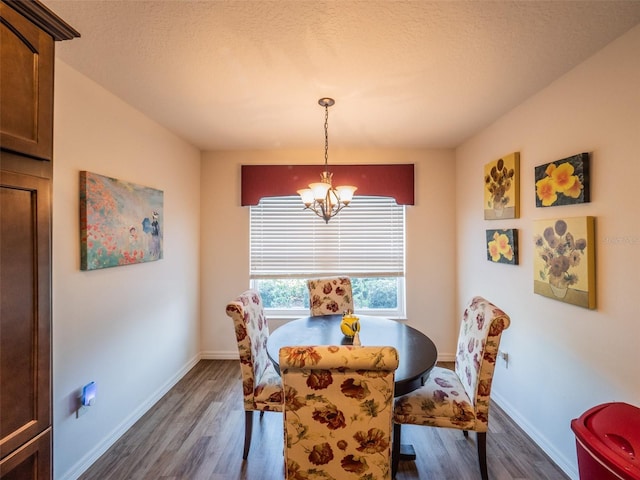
[[326, 137]]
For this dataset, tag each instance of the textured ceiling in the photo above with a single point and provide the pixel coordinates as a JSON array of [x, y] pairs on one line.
[[248, 74]]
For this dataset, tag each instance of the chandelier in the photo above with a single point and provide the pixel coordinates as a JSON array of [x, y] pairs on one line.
[[322, 198]]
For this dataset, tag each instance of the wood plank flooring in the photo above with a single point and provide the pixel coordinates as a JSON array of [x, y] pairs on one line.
[[196, 432]]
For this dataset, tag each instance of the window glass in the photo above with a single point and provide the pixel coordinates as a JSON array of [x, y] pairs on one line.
[[365, 241]]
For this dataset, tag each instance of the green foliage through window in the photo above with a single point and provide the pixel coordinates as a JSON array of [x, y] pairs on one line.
[[368, 293]]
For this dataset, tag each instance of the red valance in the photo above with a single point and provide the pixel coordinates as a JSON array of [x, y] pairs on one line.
[[395, 180]]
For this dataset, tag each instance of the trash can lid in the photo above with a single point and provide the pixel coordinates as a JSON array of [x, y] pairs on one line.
[[612, 431]]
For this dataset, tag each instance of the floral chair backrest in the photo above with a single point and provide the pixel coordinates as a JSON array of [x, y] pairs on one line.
[[338, 411], [328, 296], [252, 332], [478, 342]]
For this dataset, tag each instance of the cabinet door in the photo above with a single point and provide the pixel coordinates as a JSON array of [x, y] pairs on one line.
[[30, 462], [25, 311], [26, 96]]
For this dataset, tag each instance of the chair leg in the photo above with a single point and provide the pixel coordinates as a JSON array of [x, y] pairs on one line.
[[481, 438], [395, 449], [465, 433], [248, 428], [261, 414]]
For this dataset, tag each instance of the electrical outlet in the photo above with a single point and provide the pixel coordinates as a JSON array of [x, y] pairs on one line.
[[504, 356], [89, 394], [86, 399]]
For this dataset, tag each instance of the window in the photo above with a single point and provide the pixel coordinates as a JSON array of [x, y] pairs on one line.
[[364, 241]]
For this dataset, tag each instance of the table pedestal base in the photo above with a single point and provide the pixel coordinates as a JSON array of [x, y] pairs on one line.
[[407, 452]]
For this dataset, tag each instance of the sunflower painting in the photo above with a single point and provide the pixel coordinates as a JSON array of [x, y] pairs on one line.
[[563, 182], [502, 246], [502, 188], [564, 260]]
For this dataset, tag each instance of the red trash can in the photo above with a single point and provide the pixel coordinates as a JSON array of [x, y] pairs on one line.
[[608, 442]]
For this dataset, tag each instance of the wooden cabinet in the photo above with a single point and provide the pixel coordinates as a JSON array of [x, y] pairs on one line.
[[25, 327], [28, 31], [27, 98], [31, 461]]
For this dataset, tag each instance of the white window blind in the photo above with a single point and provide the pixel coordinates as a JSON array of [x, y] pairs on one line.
[[364, 239]]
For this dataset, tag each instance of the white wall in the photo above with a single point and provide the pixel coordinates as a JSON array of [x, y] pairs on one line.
[[431, 258], [133, 329], [564, 359]]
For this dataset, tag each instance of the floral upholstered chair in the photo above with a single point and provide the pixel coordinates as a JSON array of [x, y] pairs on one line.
[[460, 399], [338, 411], [261, 384], [328, 296]]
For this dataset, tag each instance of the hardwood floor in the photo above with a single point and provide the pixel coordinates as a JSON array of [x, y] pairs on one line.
[[196, 432]]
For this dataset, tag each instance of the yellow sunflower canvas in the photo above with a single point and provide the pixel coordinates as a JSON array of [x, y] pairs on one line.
[[502, 188], [564, 260]]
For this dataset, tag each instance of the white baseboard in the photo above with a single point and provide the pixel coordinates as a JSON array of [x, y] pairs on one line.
[[446, 357], [217, 355], [567, 466], [85, 462]]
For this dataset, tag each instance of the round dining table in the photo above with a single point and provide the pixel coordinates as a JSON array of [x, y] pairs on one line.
[[416, 352]]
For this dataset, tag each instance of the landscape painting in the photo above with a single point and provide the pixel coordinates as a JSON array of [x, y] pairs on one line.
[[563, 182], [502, 246], [502, 188], [564, 260], [120, 222]]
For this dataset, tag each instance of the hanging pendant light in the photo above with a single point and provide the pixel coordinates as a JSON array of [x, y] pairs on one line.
[[322, 198]]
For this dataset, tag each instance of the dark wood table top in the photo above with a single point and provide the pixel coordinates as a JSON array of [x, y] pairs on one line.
[[416, 352]]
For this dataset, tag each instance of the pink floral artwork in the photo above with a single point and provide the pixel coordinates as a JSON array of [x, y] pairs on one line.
[[120, 222]]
